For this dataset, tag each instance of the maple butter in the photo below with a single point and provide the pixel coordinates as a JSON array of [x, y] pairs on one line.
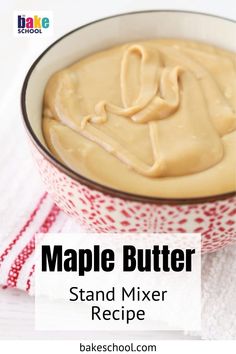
[[154, 118]]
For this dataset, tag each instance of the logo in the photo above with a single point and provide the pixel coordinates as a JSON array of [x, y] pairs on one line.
[[33, 23]]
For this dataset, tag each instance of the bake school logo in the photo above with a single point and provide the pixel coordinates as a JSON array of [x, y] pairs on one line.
[[33, 23]]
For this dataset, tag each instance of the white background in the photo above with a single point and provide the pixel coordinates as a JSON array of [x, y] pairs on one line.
[[16, 309]]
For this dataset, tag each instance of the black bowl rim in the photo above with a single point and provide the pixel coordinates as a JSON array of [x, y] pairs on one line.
[[84, 180]]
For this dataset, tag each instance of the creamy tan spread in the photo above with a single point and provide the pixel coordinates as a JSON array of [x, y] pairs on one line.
[[155, 118]]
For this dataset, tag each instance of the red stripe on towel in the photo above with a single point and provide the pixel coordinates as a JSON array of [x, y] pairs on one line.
[[24, 228], [30, 247], [28, 284]]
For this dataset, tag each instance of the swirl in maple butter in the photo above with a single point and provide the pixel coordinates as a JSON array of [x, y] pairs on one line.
[[155, 118]]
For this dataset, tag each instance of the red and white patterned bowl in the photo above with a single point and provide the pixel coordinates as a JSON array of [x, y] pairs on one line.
[[102, 209]]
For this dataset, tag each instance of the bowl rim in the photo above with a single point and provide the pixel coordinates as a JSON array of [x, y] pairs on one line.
[[84, 180]]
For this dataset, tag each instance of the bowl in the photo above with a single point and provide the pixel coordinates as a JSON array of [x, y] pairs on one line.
[[102, 209]]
